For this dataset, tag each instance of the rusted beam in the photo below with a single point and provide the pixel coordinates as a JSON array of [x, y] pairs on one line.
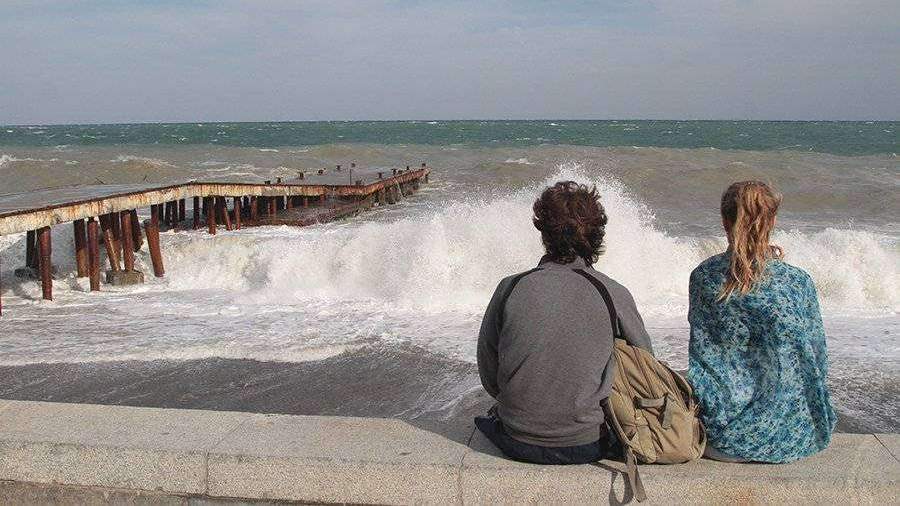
[[237, 213], [210, 215], [110, 242], [151, 227], [196, 213], [46, 265], [81, 253], [93, 254], [137, 239]]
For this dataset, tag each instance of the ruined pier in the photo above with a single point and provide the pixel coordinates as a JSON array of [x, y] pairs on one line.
[[107, 218]]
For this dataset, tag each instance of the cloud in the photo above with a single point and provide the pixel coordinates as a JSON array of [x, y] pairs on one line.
[[94, 61]]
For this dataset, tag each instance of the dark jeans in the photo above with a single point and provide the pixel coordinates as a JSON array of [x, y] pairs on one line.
[[492, 427]]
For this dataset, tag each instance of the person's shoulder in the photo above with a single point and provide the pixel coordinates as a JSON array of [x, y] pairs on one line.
[[515, 278], [791, 273], [614, 287], [712, 264]]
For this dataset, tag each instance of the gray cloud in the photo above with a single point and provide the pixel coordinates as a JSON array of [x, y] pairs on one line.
[[97, 61]]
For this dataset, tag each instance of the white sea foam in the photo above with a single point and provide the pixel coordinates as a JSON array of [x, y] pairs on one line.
[[522, 161], [6, 159], [148, 160], [283, 293]]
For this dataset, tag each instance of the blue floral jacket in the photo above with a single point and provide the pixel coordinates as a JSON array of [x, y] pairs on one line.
[[758, 364]]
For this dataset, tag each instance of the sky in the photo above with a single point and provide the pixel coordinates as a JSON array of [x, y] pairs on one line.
[[119, 61]]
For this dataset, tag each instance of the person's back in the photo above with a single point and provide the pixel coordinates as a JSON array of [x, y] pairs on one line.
[[757, 356], [545, 340]]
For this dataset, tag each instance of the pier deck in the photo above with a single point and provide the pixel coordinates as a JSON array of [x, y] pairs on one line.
[[107, 214]]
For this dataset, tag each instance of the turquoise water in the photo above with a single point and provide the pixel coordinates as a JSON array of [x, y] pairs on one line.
[[841, 138]]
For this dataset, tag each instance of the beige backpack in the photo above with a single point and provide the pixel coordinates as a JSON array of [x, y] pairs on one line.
[[651, 407]]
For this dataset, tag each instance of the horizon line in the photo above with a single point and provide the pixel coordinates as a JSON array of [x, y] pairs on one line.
[[426, 120]]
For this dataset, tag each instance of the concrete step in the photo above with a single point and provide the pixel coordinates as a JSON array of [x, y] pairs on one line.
[[78, 453]]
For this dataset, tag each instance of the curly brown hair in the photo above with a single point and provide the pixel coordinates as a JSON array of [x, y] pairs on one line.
[[572, 222]]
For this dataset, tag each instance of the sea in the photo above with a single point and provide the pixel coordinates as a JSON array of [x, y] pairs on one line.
[[407, 285]]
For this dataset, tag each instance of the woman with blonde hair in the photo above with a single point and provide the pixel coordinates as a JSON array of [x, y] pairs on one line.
[[757, 356]]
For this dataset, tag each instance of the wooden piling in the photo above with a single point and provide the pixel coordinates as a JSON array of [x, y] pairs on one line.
[[254, 209], [182, 207], [222, 209], [46, 266], [109, 241], [93, 254], [81, 253], [137, 239], [167, 214], [196, 213], [273, 207], [151, 228], [210, 215], [30, 250], [237, 213], [289, 202]]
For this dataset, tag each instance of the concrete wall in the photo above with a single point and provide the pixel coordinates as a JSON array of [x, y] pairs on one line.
[[76, 454]]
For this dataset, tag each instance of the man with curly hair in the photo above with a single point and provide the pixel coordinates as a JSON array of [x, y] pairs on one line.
[[545, 346]]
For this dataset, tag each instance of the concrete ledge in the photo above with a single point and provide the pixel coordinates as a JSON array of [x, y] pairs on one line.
[[81, 453]]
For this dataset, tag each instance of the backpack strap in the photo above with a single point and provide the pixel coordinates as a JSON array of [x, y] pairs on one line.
[[631, 469], [607, 298]]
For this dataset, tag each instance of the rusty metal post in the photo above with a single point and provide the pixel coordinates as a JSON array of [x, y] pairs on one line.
[[305, 201], [93, 254], [237, 213], [81, 254], [46, 266], [117, 233], [151, 228], [30, 250], [222, 209], [273, 207], [167, 214], [182, 207], [137, 239], [196, 213], [109, 241], [289, 202], [254, 209], [127, 246], [210, 215]]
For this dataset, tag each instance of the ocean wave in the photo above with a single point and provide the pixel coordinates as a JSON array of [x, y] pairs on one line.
[[143, 159], [457, 252]]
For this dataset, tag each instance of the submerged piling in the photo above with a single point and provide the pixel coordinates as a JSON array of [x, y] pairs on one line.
[[93, 246], [45, 263], [109, 241], [196, 211], [30, 250], [81, 253], [137, 239], [210, 215], [237, 213], [222, 210], [151, 228]]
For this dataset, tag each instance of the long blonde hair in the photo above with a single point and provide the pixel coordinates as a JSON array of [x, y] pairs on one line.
[[748, 210]]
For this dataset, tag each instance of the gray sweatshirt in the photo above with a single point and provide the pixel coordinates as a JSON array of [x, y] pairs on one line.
[[545, 356]]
